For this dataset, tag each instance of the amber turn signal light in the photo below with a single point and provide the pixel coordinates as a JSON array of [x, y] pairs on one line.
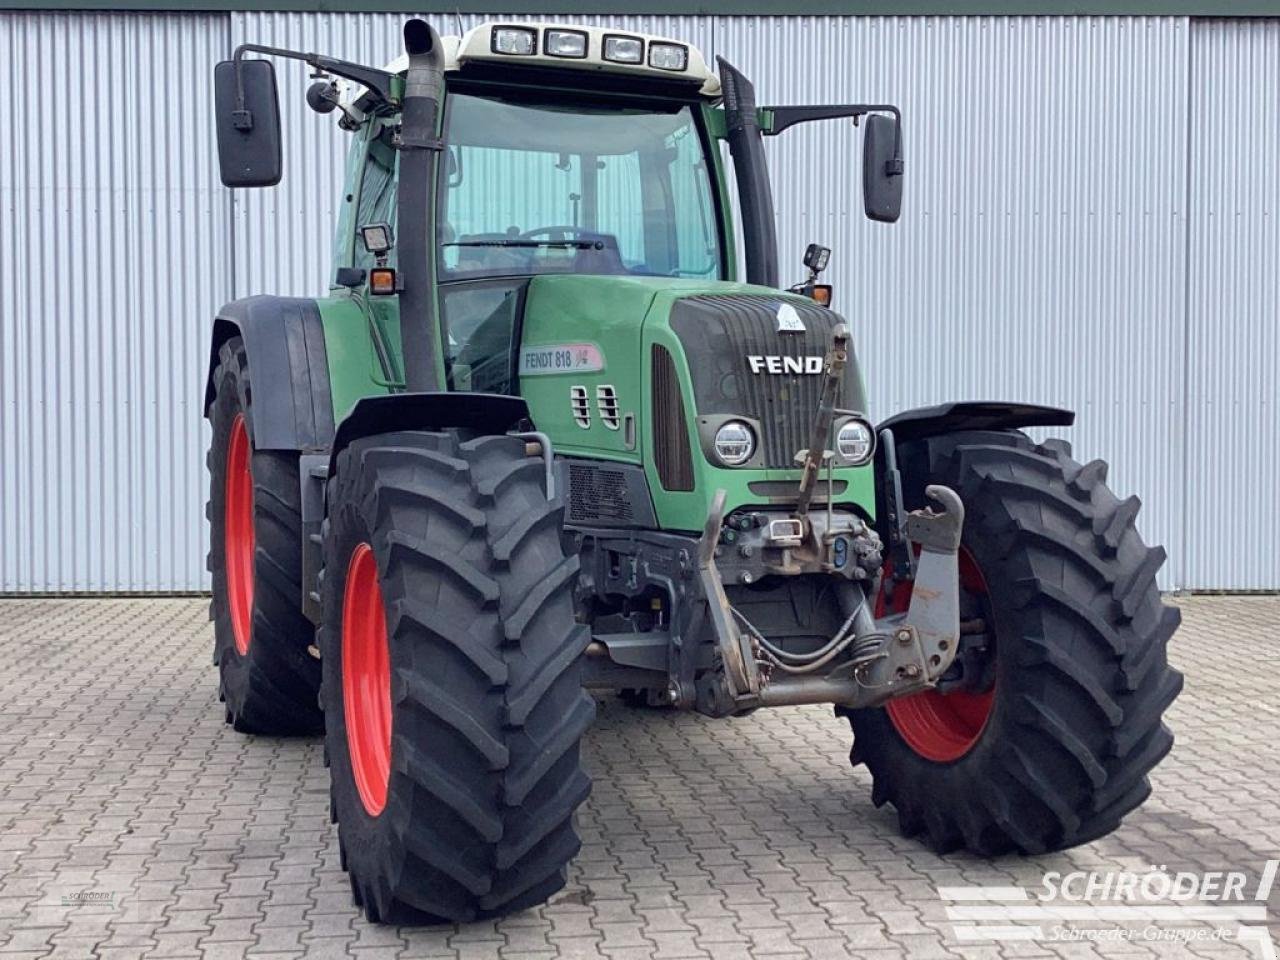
[[382, 281], [822, 294]]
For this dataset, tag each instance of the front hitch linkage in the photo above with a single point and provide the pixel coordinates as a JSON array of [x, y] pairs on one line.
[[898, 654]]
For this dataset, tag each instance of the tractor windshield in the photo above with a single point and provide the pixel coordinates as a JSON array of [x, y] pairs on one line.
[[548, 188]]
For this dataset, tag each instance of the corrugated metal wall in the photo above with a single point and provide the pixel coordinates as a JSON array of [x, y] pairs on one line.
[[1090, 203], [114, 247], [1233, 338]]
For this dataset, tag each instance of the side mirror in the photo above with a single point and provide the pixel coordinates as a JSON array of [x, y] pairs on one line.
[[247, 116], [881, 169]]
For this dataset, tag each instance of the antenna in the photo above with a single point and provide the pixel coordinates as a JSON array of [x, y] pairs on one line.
[[457, 15]]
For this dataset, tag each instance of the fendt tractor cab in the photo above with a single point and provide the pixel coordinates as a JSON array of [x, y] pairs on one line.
[[538, 439]]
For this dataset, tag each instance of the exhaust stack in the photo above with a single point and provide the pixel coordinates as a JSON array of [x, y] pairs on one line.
[[420, 148], [755, 197]]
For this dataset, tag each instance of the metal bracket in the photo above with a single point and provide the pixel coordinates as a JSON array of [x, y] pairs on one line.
[[937, 531], [935, 597], [313, 473], [897, 548], [832, 372], [548, 456], [735, 649]]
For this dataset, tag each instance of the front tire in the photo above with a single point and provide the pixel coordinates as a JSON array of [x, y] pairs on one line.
[[452, 687], [1061, 748], [266, 677]]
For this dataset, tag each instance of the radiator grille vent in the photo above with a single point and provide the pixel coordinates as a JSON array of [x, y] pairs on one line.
[[607, 401], [581, 406], [598, 494], [670, 432]]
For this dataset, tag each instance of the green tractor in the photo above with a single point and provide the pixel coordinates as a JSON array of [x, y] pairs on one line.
[[539, 440]]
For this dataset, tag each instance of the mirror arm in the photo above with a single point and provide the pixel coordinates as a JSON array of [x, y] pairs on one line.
[[378, 81], [784, 117]]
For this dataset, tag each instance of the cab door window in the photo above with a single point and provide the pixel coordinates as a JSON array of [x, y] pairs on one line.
[[377, 197]]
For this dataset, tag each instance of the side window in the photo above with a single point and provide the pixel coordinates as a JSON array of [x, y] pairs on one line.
[[377, 197], [478, 321], [697, 244]]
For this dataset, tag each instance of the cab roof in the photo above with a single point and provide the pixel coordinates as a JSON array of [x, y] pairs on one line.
[[480, 45]]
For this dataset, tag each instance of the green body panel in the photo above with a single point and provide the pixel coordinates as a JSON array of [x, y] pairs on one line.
[[354, 368], [623, 317], [604, 312]]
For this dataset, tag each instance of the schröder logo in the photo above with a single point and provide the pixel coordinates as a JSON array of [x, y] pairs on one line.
[[1154, 906]]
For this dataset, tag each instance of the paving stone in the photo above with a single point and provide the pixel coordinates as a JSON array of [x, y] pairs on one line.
[[739, 840]]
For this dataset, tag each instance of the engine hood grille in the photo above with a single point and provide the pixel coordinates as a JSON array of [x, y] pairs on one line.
[[722, 334]]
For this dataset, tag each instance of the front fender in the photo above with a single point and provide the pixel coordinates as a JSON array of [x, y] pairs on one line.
[[482, 413], [974, 415]]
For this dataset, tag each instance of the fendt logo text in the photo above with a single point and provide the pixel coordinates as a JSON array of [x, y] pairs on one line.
[[760, 364]]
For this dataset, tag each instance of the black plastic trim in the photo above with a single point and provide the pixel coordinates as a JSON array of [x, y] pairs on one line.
[[284, 340], [751, 171], [481, 413], [415, 199], [974, 415], [546, 80]]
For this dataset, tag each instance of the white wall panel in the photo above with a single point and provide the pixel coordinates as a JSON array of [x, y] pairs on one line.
[[1232, 470], [114, 246], [1042, 247]]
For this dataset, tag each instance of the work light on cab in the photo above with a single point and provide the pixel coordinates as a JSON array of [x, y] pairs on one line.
[[624, 49], [668, 56], [515, 41], [566, 43]]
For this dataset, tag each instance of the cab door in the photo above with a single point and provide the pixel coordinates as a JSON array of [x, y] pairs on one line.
[[370, 199]]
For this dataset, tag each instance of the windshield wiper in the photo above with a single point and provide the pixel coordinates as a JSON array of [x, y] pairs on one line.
[[578, 244]]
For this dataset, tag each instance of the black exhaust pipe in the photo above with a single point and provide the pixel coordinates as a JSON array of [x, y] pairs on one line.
[[420, 148], [755, 197]]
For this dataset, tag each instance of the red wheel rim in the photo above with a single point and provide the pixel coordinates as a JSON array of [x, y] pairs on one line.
[[942, 726], [238, 534], [366, 680]]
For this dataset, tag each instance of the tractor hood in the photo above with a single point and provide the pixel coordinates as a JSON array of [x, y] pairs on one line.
[[644, 371]]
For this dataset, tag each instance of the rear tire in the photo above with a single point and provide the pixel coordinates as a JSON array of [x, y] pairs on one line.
[[1081, 672], [472, 808], [267, 679]]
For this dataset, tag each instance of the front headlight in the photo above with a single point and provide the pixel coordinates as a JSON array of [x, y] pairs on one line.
[[735, 443], [856, 442]]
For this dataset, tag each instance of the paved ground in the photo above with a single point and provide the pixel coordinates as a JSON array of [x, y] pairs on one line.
[[134, 824]]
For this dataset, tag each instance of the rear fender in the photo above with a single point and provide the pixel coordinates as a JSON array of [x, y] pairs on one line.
[[289, 370]]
